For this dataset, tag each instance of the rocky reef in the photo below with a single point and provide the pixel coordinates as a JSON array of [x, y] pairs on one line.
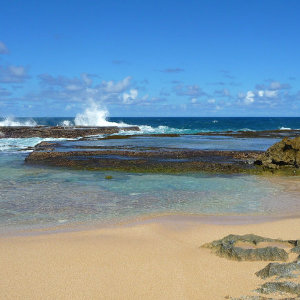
[[59, 131], [106, 153], [141, 159]]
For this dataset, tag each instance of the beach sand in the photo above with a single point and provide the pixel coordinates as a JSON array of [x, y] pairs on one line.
[[150, 260]]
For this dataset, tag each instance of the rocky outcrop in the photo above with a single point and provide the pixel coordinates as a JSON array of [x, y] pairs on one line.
[[59, 131], [246, 247], [285, 153], [285, 270], [281, 287]]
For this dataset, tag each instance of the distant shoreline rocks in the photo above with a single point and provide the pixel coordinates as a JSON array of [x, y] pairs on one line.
[[60, 131]]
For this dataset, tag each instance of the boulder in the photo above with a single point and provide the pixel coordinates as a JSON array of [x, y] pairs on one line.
[[284, 153], [285, 270], [246, 247]]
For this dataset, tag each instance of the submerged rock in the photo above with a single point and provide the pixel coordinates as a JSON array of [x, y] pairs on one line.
[[246, 247], [285, 270], [284, 153]]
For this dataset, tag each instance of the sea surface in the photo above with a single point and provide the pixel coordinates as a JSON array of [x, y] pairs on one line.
[[39, 196]]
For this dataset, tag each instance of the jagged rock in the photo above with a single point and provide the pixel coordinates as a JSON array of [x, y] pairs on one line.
[[283, 153], [227, 248], [281, 287], [286, 270]]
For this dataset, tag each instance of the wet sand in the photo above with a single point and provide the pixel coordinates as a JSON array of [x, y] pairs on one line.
[[146, 260]]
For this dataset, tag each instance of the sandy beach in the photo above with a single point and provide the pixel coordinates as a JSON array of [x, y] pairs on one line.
[[152, 260]]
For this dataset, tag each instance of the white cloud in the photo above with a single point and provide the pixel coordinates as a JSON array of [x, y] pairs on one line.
[[194, 100], [3, 48], [211, 101], [12, 74], [261, 93], [131, 96], [86, 79], [271, 94], [116, 87], [249, 97]]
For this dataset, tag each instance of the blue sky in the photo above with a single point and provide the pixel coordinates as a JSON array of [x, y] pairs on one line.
[[150, 58]]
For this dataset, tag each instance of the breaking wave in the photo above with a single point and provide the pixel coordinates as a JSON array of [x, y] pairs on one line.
[[17, 144], [11, 121], [95, 115], [285, 128]]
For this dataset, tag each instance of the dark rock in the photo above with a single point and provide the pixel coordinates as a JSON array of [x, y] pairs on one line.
[[140, 159], [294, 242], [285, 270], [281, 287], [227, 248], [284, 153], [59, 131], [255, 134]]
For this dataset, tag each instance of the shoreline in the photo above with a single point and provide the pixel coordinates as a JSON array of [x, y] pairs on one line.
[[184, 219], [150, 260]]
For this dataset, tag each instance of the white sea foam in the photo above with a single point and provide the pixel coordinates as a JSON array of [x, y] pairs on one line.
[[10, 121], [285, 128], [95, 115], [17, 144], [66, 123], [146, 129], [246, 129]]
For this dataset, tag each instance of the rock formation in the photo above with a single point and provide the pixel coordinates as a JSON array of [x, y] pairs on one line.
[[285, 153]]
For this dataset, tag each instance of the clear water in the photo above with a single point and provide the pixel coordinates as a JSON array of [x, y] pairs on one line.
[[31, 196], [43, 196]]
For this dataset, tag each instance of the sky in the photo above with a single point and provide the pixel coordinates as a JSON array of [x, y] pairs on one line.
[[150, 58]]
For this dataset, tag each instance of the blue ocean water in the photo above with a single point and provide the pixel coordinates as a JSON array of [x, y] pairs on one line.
[[38, 196], [190, 124]]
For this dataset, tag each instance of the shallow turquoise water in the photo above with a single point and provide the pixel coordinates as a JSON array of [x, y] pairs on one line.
[[39, 196], [43, 196]]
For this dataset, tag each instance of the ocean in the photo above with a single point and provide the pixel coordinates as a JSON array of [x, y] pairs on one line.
[[34, 197]]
